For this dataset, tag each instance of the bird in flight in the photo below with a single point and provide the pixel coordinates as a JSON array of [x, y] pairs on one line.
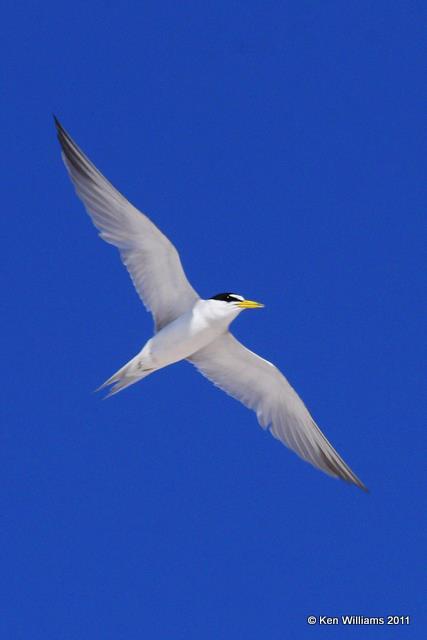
[[188, 327]]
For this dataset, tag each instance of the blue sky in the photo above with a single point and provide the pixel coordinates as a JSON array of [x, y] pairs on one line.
[[279, 145]]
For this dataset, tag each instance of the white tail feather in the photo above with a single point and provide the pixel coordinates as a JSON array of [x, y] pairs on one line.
[[130, 373]]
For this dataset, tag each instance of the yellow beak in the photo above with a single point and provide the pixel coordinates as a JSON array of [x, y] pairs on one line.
[[250, 304]]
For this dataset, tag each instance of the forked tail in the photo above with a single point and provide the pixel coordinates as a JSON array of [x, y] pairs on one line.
[[131, 372]]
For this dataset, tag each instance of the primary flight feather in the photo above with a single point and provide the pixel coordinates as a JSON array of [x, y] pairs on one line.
[[188, 327]]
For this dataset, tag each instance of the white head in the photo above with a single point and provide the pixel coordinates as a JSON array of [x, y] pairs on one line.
[[229, 305]]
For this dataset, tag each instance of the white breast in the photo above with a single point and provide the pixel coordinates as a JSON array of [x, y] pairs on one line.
[[187, 334]]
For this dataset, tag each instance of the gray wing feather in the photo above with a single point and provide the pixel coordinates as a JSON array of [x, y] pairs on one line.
[[260, 386], [151, 259]]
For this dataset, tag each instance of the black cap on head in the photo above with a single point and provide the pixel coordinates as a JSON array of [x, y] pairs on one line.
[[228, 297]]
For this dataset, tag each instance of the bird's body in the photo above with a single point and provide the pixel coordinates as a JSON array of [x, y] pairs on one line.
[[190, 332], [178, 340], [188, 327]]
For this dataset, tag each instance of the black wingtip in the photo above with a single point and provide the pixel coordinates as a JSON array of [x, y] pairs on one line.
[[357, 481], [62, 136], [60, 131], [359, 484]]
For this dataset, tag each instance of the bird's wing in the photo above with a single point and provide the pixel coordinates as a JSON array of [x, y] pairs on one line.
[[151, 259], [260, 386]]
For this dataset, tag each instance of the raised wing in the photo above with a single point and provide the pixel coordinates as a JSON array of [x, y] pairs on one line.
[[260, 386], [151, 259]]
